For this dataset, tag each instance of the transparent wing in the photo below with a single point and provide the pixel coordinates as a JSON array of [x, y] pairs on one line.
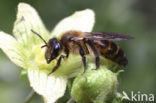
[[107, 36]]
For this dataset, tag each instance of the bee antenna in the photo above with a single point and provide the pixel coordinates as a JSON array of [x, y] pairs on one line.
[[40, 37]]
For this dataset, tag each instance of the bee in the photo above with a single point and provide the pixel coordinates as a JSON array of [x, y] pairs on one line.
[[86, 43]]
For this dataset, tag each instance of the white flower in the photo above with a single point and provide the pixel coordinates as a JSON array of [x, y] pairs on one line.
[[24, 50]]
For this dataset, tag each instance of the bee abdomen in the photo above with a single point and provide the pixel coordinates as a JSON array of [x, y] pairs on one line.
[[112, 51], [120, 58]]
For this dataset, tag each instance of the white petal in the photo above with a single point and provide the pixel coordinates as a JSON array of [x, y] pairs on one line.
[[50, 87], [11, 48], [27, 19], [80, 20]]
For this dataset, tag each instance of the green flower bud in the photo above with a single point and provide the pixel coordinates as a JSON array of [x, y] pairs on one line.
[[95, 86]]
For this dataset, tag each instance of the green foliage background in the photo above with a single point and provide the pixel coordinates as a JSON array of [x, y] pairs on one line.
[[134, 17]]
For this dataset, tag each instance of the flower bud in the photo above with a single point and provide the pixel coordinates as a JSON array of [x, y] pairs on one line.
[[95, 86]]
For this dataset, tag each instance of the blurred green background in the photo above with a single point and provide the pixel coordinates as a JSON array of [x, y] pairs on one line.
[[134, 17]]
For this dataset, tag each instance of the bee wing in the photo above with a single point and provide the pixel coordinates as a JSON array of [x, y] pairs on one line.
[[107, 36]]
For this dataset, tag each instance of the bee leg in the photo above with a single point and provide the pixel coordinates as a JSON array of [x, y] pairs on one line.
[[82, 53], [66, 51], [95, 51], [58, 64], [97, 62], [84, 63]]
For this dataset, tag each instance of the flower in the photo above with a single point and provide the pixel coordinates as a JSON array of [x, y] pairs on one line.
[[24, 49]]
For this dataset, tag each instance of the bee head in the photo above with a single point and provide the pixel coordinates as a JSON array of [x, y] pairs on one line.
[[53, 49]]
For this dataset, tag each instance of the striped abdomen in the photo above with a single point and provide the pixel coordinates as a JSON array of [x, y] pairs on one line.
[[111, 51]]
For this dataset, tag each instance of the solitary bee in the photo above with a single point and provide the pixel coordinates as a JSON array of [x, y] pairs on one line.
[[85, 43]]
